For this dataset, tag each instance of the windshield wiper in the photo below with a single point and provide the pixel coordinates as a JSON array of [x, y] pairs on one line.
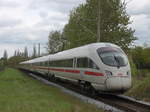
[[118, 65]]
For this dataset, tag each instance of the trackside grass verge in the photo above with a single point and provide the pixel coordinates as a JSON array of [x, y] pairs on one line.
[[141, 88], [20, 93]]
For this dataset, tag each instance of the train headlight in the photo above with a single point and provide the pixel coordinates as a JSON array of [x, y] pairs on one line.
[[108, 73]]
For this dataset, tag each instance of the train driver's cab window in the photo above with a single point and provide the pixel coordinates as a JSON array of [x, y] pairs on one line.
[[112, 56], [86, 63]]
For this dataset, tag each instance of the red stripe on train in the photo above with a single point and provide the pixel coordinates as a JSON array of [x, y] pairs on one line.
[[72, 71], [93, 73], [54, 69]]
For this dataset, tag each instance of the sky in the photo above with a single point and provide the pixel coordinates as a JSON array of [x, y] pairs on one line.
[[28, 22]]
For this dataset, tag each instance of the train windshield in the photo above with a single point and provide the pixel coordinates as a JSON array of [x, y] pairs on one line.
[[112, 56]]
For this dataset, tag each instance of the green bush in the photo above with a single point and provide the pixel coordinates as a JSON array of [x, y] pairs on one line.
[[141, 57], [134, 70]]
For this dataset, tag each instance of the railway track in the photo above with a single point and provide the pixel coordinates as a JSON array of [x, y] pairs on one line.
[[122, 103]]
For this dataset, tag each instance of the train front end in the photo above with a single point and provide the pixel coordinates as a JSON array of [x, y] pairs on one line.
[[116, 68]]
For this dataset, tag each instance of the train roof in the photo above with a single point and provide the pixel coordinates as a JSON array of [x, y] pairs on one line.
[[82, 51]]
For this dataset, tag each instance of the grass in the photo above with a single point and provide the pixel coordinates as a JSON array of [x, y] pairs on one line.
[[20, 93], [141, 86]]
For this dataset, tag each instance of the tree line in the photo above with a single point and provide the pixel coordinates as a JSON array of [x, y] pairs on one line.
[[19, 56], [141, 57]]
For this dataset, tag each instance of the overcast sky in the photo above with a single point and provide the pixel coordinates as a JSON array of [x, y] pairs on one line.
[[28, 22]]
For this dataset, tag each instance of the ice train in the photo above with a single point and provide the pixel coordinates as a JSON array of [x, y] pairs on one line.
[[102, 66]]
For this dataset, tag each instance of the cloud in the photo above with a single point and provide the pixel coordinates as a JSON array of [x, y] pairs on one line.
[[28, 22], [43, 14], [9, 23], [62, 6], [136, 7], [8, 4], [139, 11], [142, 25]]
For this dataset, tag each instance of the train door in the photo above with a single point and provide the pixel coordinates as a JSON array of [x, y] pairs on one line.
[[75, 66], [74, 62], [89, 71], [80, 67], [48, 65]]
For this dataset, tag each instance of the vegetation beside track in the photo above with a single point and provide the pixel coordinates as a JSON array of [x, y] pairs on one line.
[[19, 92], [141, 86]]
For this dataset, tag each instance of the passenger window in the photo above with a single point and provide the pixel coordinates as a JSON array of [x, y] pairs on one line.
[[86, 63], [46, 63], [82, 62], [92, 64], [62, 63]]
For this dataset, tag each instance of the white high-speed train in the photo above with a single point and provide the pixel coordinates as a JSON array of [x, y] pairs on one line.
[[103, 66]]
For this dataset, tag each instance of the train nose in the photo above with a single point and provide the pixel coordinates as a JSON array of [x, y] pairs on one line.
[[118, 83]]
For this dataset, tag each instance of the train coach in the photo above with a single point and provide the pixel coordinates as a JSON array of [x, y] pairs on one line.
[[102, 66]]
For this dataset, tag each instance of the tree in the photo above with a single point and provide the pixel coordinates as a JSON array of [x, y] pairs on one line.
[[141, 57], [137, 56], [39, 50], [1, 64], [5, 57], [18, 53], [55, 42], [34, 52], [146, 57], [26, 52], [110, 15], [15, 53], [15, 60]]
